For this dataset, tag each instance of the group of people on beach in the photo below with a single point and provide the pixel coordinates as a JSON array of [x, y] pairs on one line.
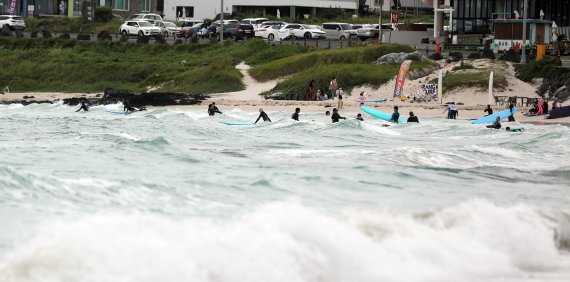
[[335, 92]]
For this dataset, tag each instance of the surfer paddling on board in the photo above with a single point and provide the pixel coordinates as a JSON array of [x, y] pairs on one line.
[[359, 117], [127, 106], [263, 115], [496, 124], [295, 115], [395, 115], [520, 129], [335, 116], [212, 109], [83, 107]]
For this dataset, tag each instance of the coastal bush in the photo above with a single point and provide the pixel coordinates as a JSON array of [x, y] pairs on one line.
[[348, 76], [297, 63], [472, 78]]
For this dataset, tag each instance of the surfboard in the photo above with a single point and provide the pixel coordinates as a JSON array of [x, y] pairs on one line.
[[491, 118], [380, 115], [371, 101], [116, 112], [237, 123]]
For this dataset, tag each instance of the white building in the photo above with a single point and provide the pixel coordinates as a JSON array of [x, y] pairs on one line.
[[201, 9]]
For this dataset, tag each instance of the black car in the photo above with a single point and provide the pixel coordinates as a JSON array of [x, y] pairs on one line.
[[244, 31]]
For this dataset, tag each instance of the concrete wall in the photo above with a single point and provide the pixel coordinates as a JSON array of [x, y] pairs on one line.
[[210, 8], [405, 37]]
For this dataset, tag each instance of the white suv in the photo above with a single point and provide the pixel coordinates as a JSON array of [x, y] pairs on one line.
[[147, 17], [340, 31], [139, 27], [13, 22]]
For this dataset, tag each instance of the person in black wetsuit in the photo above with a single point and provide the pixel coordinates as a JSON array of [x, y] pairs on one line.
[[263, 115], [488, 110], [83, 107], [514, 129], [413, 118], [335, 116], [512, 116], [212, 109], [395, 115], [359, 117], [127, 106], [295, 115], [327, 113], [496, 124]]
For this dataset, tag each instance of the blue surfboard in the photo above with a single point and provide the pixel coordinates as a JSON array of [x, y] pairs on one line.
[[380, 115], [371, 101], [491, 118], [116, 112], [237, 123]]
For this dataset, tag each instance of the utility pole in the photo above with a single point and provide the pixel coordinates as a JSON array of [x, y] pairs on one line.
[[380, 22], [523, 55], [222, 23]]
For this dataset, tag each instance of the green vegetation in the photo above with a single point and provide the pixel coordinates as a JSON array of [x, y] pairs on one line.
[[294, 64], [353, 67], [463, 66], [545, 68], [72, 25], [472, 78], [73, 66]]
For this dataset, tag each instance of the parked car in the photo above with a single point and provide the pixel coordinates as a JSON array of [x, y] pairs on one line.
[[356, 26], [188, 31], [189, 23], [255, 22], [301, 31], [244, 31], [168, 28], [147, 17], [13, 22], [340, 31], [139, 28], [269, 27], [372, 31]]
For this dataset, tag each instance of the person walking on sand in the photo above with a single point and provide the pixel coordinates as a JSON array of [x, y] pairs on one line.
[[295, 115], [339, 104], [333, 86], [310, 90], [263, 115]]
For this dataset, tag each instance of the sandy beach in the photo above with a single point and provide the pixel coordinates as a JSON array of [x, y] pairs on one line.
[[471, 101]]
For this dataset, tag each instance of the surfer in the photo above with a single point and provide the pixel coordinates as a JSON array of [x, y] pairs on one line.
[[295, 115], [327, 113], [451, 110], [212, 109], [127, 106], [395, 115], [83, 107], [496, 124], [512, 116], [359, 117], [413, 118], [335, 116], [263, 115], [310, 90], [520, 129], [488, 110]]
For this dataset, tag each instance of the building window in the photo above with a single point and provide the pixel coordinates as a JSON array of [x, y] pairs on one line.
[[184, 11], [145, 5], [121, 4]]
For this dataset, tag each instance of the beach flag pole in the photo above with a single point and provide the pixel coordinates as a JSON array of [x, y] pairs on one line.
[[440, 87], [491, 98]]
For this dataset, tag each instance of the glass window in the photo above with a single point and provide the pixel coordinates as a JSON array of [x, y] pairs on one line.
[[121, 4], [145, 5]]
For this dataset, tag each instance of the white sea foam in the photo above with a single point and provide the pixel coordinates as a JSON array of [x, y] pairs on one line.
[[289, 242]]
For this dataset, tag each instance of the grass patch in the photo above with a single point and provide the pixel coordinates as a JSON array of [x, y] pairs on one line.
[[73, 66], [348, 76], [463, 66], [298, 63], [472, 78], [73, 25]]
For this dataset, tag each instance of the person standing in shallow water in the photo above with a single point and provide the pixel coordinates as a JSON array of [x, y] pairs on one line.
[[295, 115], [212, 109], [395, 115], [83, 107], [413, 118], [488, 110], [310, 90], [335, 116], [512, 116]]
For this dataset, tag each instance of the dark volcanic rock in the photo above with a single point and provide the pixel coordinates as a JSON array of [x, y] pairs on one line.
[[114, 96]]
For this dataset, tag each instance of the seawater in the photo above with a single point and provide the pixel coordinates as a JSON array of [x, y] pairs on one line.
[[173, 195]]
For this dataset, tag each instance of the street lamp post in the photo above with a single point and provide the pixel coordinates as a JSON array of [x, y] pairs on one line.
[[523, 55]]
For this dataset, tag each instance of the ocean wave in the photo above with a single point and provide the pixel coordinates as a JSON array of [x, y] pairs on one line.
[[475, 240]]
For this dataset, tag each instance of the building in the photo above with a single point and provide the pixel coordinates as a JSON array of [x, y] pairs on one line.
[[201, 9], [475, 16]]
